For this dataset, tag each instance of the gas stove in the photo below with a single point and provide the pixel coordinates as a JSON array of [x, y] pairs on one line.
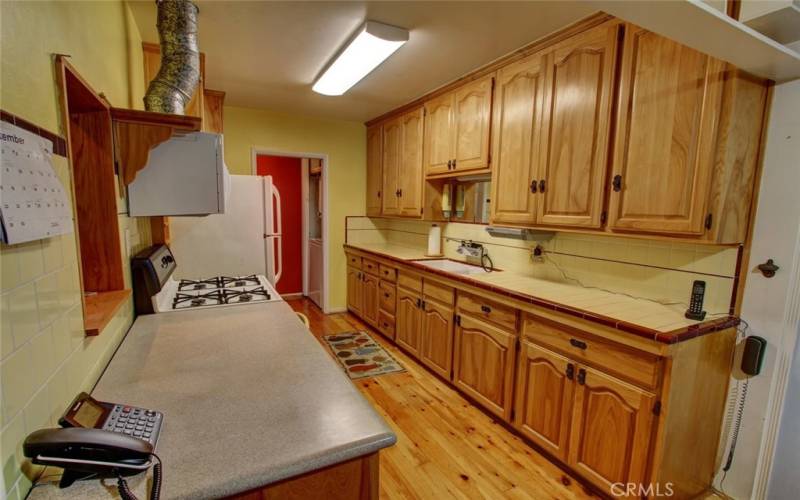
[[157, 291]]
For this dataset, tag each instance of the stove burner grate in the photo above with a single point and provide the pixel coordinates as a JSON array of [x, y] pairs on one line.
[[233, 296], [184, 300], [210, 283], [238, 281]]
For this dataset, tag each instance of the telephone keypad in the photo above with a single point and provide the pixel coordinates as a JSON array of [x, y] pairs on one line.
[[137, 422]]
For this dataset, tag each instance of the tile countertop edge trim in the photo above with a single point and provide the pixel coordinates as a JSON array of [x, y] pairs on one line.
[[670, 337], [249, 483]]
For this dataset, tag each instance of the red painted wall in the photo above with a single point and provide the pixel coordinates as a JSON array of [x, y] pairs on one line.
[[286, 175]]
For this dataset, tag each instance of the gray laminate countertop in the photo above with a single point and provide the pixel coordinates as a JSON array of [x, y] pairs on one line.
[[249, 397]]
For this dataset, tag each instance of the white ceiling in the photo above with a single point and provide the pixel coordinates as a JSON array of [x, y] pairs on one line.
[[266, 54]]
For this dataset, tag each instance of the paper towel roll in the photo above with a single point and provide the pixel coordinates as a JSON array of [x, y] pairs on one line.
[[434, 241]]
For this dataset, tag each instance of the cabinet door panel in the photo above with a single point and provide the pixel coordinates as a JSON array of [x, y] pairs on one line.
[[484, 364], [369, 304], [664, 153], [392, 140], [374, 169], [410, 172], [473, 105], [544, 394], [437, 338], [354, 292], [408, 321], [439, 133], [516, 129], [612, 424], [576, 124]]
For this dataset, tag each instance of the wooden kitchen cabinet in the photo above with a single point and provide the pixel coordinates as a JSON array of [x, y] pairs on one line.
[[612, 426], [516, 133], [436, 344], [369, 298], [213, 101], [457, 126], [669, 104], [576, 124], [483, 365], [408, 321], [402, 192], [374, 169], [354, 290], [544, 395]]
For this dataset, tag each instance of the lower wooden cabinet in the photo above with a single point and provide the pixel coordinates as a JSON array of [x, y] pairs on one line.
[[354, 290], [484, 364], [612, 425], [544, 395], [369, 298], [436, 344], [408, 321]]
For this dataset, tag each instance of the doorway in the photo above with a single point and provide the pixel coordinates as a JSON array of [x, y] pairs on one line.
[[301, 180]]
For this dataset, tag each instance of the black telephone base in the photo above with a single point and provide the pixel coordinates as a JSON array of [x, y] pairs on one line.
[[696, 316]]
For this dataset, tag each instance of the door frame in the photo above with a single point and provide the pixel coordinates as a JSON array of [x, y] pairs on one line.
[[255, 151]]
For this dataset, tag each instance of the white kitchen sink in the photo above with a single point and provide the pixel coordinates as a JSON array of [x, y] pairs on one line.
[[451, 266]]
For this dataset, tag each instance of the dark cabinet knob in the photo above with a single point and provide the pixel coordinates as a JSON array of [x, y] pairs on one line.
[[541, 186], [616, 183], [486, 309], [570, 371], [533, 186], [578, 343], [582, 376]]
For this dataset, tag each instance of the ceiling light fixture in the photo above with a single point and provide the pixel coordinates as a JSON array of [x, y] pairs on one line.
[[372, 44]]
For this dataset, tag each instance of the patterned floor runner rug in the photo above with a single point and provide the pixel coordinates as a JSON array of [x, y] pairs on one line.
[[361, 356]]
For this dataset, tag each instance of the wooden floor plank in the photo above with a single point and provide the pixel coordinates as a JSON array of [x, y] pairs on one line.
[[446, 447]]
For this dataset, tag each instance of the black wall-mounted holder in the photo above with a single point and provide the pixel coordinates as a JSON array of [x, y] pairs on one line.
[[768, 268]]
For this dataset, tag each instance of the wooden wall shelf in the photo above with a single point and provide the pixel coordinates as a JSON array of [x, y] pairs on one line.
[[137, 132], [99, 309]]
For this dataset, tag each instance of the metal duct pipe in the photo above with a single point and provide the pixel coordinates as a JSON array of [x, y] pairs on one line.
[[177, 78]]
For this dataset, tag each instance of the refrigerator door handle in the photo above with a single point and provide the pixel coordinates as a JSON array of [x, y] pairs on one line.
[[278, 234]]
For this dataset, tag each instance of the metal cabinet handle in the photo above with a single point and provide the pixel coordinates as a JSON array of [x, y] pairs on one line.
[[419, 303], [570, 371], [454, 163], [541, 186], [582, 376], [386, 295], [578, 343], [533, 186], [616, 183], [486, 309], [449, 164]]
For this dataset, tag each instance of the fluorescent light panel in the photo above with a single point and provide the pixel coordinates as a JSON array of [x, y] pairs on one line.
[[373, 43]]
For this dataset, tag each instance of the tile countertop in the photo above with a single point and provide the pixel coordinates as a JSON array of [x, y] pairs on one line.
[[644, 318], [249, 397]]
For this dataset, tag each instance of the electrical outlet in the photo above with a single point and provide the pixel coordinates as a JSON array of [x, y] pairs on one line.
[[537, 253]]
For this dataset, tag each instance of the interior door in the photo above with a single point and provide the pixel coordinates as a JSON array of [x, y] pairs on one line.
[[473, 110], [408, 321], [664, 152], [410, 170], [374, 169], [575, 128], [515, 140], [437, 337], [439, 132], [612, 426], [544, 391], [484, 364], [392, 140]]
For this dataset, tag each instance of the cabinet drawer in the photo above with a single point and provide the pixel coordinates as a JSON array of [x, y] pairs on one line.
[[386, 324], [409, 281], [637, 366], [354, 261], [370, 266], [387, 297], [442, 293], [388, 273], [499, 314]]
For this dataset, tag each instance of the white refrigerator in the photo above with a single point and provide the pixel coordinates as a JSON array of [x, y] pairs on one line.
[[245, 240]]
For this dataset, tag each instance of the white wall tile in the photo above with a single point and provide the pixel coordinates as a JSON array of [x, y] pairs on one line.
[[24, 313]]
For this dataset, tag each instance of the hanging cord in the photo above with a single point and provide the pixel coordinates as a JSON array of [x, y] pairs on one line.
[[736, 407], [484, 259], [155, 492]]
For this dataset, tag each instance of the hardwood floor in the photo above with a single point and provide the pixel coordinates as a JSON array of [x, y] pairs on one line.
[[446, 447]]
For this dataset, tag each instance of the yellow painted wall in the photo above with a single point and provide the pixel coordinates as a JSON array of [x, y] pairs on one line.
[[344, 143], [45, 360]]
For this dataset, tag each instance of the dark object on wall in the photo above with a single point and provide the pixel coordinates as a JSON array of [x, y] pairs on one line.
[[768, 268], [755, 349], [172, 88]]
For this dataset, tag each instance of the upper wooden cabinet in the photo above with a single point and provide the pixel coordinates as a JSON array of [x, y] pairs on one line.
[[457, 128], [573, 159], [516, 134], [551, 131], [374, 169], [213, 101], [402, 165], [664, 159]]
